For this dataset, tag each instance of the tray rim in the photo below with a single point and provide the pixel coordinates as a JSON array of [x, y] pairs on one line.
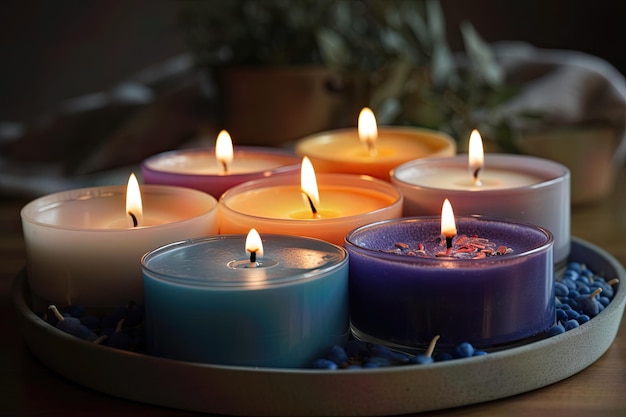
[[276, 391]]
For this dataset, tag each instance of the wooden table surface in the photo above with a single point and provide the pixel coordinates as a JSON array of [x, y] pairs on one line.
[[28, 388]]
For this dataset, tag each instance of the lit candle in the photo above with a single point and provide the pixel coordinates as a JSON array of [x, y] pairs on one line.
[[206, 302], [84, 246], [372, 151], [214, 170], [491, 287], [283, 204], [516, 187]]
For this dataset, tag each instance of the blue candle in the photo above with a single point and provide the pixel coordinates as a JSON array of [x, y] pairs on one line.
[[207, 301], [406, 287]]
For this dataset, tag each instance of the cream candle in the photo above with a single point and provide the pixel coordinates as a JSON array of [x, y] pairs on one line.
[[206, 170], [81, 250], [371, 150], [516, 187], [208, 301], [276, 205]]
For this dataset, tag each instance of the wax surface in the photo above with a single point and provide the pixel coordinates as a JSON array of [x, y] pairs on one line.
[[287, 203], [276, 205], [203, 303], [205, 162], [198, 168], [407, 300], [80, 250], [515, 187], [460, 178], [342, 151]]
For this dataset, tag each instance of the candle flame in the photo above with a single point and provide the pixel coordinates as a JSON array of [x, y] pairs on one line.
[[368, 131], [476, 155], [308, 184], [224, 149], [134, 208], [448, 225], [254, 245]]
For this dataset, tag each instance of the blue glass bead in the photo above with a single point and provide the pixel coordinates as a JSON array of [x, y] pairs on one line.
[[572, 314], [421, 360], [575, 266], [582, 288], [569, 283], [338, 355], [583, 318], [463, 350], [324, 364], [573, 294], [570, 324], [554, 330], [561, 315], [560, 289]]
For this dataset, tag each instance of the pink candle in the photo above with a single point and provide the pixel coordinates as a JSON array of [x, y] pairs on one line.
[[202, 169]]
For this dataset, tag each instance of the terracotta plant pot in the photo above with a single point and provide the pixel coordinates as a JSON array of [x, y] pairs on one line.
[[275, 106]]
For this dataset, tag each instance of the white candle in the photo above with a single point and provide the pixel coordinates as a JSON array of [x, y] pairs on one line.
[[515, 187], [81, 250]]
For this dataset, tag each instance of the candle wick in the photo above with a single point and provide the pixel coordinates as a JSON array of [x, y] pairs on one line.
[[135, 223], [253, 263], [313, 209], [371, 148], [477, 182], [224, 166], [449, 245]]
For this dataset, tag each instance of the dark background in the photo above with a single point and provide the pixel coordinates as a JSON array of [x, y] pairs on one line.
[[52, 50]]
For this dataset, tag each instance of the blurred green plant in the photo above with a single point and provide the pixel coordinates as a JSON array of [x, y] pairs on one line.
[[415, 77]]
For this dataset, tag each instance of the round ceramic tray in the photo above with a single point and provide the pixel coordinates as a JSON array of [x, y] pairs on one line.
[[270, 391]]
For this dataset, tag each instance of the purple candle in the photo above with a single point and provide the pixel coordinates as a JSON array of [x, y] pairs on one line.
[[493, 286], [202, 169]]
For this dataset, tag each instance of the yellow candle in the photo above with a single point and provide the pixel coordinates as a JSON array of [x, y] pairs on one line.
[[276, 205], [370, 150]]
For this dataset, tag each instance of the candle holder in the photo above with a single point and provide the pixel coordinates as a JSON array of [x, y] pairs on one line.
[[205, 303], [79, 249], [275, 205], [405, 299], [199, 169], [515, 187]]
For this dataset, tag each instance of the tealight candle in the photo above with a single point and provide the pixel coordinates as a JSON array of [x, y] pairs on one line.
[[276, 205], [515, 187], [215, 170], [492, 286], [82, 246], [371, 150], [207, 300]]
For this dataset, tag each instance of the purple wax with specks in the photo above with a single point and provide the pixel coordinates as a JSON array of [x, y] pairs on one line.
[[407, 300]]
